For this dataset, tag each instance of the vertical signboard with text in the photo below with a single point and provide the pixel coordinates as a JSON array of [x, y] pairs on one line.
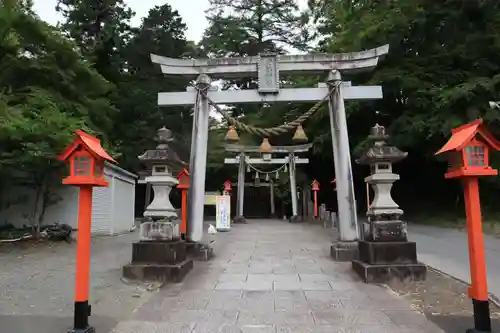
[[223, 211]]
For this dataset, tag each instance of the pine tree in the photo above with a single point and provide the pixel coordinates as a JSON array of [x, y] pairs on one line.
[[247, 27]]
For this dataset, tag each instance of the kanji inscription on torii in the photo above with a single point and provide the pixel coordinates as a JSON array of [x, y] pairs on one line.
[[331, 65], [268, 74]]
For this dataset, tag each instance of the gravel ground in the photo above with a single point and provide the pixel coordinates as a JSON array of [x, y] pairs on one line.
[[37, 285], [446, 249], [444, 301]]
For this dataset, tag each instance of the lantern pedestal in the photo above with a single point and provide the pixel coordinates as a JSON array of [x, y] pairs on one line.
[[161, 205], [162, 261], [380, 262], [385, 231], [295, 219]]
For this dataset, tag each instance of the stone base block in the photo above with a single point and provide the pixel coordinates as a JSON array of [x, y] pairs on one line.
[[160, 252], [295, 219], [385, 273], [199, 251], [387, 231], [382, 253], [239, 219], [158, 272], [344, 251]]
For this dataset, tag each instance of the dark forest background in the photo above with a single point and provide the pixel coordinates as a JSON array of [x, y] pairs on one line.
[[93, 71]]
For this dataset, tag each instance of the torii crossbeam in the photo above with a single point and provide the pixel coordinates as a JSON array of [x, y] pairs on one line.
[[267, 68]]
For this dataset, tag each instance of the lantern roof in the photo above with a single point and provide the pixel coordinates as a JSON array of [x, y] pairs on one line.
[[462, 135], [380, 151], [91, 143], [163, 153]]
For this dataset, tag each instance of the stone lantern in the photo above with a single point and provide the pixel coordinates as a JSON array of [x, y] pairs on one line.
[[161, 161], [385, 252], [384, 213], [160, 254]]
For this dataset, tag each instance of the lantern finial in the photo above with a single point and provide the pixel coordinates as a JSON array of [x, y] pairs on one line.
[[232, 135], [265, 146], [300, 135]]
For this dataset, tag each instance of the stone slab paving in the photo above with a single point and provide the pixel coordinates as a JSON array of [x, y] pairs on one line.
[[37, 286], [273, 276]]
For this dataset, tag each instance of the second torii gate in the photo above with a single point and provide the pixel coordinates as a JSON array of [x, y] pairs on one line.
[[243, 159], [268, 67]]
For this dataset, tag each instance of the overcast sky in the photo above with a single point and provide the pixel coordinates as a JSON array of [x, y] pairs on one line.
[[192, 14]]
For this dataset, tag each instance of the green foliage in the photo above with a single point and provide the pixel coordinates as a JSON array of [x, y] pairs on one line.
[[441, 71], [101, 30], [48, 91], [94, 72], [247, 27]]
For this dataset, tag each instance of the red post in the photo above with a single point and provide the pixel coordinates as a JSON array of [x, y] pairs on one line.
[[82, 307], [86, 158], [315, 188], [468, 150], [183, 228], [315, 204], [183, 178], [479, 282]]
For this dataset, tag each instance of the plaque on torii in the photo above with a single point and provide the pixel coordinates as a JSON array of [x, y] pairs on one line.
[[243, 159], [268, 68]]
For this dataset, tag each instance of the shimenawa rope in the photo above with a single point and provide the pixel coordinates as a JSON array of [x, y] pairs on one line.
[[270, 131]]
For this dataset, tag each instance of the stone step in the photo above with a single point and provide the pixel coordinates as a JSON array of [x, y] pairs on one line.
[[376, 253], [159, 252], [385, 273], [158, 272]]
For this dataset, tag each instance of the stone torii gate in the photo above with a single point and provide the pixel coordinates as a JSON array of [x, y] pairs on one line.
[[243, 159], [268, 67]]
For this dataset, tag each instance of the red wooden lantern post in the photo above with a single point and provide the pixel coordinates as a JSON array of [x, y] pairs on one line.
[[315, 189], [227, 187], [183, 178], [86, 158], [468, 150]]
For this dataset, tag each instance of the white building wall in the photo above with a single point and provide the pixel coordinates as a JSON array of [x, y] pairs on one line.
[[112, 207]]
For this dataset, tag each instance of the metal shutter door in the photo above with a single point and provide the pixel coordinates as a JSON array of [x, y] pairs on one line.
[[124, 205], [102, 201]]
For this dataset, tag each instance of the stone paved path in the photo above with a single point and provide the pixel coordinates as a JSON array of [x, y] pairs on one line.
[[273, 276]]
